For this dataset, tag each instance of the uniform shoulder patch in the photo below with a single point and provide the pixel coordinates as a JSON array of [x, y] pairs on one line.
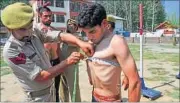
[[19, 59], [14, 46]]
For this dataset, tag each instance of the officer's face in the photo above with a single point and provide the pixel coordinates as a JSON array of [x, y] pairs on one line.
[[72, 28], [95, 33], [25, 31], [46, 18]]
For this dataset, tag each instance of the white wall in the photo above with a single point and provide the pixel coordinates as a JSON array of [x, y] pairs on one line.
[[58, 24], [66, 9], [119, 25]]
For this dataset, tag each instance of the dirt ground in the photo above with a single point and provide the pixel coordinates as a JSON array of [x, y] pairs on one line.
[[11, 90]]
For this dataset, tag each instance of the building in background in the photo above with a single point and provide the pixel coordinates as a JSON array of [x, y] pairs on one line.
[[167, 29], [119, 27], [63, 10]]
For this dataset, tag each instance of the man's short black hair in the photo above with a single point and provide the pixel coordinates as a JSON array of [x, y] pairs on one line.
[[41, 9], [91, 16]]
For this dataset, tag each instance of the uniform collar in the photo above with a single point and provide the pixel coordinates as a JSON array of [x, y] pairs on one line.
[[20, 43], [13, 39]]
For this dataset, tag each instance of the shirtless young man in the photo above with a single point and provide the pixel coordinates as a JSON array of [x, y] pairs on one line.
[[111, 56], [111, 26]]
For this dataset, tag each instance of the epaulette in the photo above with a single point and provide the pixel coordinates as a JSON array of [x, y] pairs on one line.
[[14, 45]]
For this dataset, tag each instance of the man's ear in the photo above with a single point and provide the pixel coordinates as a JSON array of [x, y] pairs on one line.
[[104, 23]]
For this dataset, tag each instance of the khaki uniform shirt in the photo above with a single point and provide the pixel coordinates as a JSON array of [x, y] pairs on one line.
[[27, 59]]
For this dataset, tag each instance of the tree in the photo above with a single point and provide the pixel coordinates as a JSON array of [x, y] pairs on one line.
[[153, 12], [160, 15], [173, 19]]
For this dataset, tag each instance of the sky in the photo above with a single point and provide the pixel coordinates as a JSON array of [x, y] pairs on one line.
[[172, 7]]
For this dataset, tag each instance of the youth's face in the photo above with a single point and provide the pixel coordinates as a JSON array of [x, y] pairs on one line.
[[96, 33], [46, 18]]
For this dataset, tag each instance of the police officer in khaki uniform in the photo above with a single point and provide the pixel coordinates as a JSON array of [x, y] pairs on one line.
[[72, 75], [24, 52]]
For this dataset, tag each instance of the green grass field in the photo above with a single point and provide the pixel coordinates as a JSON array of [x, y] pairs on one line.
[[150, 55], [4, 67]]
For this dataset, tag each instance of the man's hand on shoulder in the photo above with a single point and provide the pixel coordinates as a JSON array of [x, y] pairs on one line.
[[86, 47]]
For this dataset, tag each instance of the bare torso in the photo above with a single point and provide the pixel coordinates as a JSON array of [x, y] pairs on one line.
[[105, 78]]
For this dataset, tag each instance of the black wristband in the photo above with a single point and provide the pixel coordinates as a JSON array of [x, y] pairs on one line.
[[55, 62]]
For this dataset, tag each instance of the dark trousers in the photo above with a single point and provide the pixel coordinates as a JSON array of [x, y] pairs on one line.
[[57, 82], [57, 78], [93, 99]]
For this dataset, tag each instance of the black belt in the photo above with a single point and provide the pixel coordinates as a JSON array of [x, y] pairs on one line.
[[40, 92]]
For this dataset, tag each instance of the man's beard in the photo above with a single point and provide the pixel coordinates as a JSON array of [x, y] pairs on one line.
[[46, 23]]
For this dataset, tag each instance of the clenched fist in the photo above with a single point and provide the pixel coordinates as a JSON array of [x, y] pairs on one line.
[[74, 58]]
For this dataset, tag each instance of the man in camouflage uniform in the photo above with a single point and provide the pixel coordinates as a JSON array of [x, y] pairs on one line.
[[72, 76]]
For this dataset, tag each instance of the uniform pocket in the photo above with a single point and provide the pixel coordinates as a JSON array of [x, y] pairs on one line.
[[34, 57]]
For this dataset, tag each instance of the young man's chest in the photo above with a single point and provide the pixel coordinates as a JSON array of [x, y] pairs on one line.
[[103, 63]]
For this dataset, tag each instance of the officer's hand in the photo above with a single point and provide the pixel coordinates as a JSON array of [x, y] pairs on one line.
[[74, 58], [125, 83], [86, 47]]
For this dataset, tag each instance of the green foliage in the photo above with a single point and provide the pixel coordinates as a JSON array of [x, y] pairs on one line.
[[175, 93], [156, 78], [129, 10], [5, 71], [2, 63], [172, 18]]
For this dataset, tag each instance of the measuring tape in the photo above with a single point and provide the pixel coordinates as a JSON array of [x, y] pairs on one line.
[[102, 61]]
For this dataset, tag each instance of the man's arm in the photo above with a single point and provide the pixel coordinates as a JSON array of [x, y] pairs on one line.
[[85, 46], [69, 38], [57, 36], [52, 72], [128, 66]]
